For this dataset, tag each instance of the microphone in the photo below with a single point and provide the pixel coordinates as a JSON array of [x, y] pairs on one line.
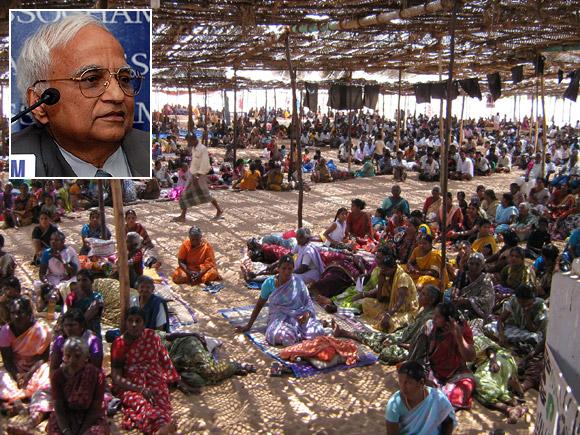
[[50, 97]]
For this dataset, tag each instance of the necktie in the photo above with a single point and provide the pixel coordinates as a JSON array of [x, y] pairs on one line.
[[100, 173]]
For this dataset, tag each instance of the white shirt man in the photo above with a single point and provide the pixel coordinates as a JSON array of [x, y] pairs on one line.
[[430, 169], [504, 161], [466, 167]]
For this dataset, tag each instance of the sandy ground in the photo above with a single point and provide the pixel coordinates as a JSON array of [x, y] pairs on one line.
[[352, 401]]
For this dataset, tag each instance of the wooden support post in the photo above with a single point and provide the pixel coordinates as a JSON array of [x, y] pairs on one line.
[[235, 116], [441, 134], [544, 130], [101, 198], [2, 147], [532, 119], [537, 117], [383, 114], [461, 122], [349, 142], [190, 127], [205, 114], [398, 138], [296, 126], [122, 256], [445, 147], [266, 111]]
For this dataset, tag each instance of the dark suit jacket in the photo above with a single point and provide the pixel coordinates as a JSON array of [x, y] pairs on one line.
[[51, 163]]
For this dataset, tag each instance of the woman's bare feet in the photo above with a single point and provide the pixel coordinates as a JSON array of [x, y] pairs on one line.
[[516, 413]]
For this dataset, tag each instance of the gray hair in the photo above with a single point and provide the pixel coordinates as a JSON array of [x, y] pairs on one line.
[[35, 61], [477, 256], [76, 344], [303, 232], [526, 205], [195, 231], [135, 237]]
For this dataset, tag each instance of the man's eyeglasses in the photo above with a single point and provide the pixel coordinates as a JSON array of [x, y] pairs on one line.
[[95, 81]]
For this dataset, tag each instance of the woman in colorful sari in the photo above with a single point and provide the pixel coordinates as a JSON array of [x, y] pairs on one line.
[[514, 274], [424, 265], [196, 261], [564, 206], [73, 325], [525, 222], [393, 304], [454, 217], [89, 302], [408, 343], [417, 409], [25, 346], [450, 348], [358, 222], [473, 292], [274, 178], [154, 307], [291, 317], [92, 230], [485, 243], [58, 263], [142, 372], [78, 390], [367, 170], [308, 265], [24, 203]]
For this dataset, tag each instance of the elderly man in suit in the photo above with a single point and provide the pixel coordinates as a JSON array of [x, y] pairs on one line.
[[89, 131]]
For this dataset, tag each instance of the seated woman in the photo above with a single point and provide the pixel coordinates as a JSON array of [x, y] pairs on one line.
[[454, 217], [544, 268], [564, 206], [522, 328], [525, 222], [406, 241], [142, 372], [251, 179], [73, 324], [367, 170], [135, 257], [41, 236], [416, 408], [506, 213], [152, 190], [89, 302], [490, 204], [59, 263], [496, 262], [7, 263], [335, 234], [424, 265], [485, 242], [472, 292], [93, 230], [450, 348], [131, 225], [515, 273], [195, 363], [10, 289], [196, 261], [407, 343], [393, 304], [494, 374], [24, 203], [321, 174], [275, 178], [78, 391], [308, 265], [24, 346], [291, 316], [153, 306], [358, 222]]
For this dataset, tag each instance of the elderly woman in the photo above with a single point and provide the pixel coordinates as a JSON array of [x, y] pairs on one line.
[[41, 236], [417, 408], [424, 265], [93, 230], [142, 372], [135, 257], [154, 307], [196, 261], [58, 263], [473, 292], [78, 390], [393, 304], [308, 265], [291, 316], [506, 213], [524, 222], [149, 254], [407, 343], [7, 263], [24, 346]]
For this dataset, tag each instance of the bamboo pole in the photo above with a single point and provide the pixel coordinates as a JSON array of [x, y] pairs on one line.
[[441, 134], [544, 129], [235, 116], [537, 118], [445, 145], [384, 95], [205, 113], [296, 126], [122, 256], [275, 106], [398, 141], [2, 148], [349, 147], [189, 108], [461, 133], [101, 195], [266, 111], [532, 119]]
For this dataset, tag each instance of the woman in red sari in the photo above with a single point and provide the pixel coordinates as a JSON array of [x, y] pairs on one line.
[[141, 372], [358, 222], [450, 348], [78, 390]]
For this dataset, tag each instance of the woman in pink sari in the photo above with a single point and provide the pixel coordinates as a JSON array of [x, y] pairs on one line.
[[291, 316], [141, 372], [25, 346]]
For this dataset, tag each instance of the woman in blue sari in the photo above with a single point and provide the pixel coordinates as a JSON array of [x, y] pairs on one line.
[[417, 409], [153, 306], [506, 213], [291, 316]]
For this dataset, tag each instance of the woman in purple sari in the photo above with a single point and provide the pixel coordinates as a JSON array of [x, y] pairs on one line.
[[291, 317]]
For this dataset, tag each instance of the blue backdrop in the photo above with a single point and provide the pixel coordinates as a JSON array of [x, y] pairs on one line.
[[130, 27]]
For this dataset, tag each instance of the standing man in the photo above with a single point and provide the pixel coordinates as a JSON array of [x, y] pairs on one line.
[[197, 190]]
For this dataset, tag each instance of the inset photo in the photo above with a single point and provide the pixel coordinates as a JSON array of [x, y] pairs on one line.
[[80, 86]]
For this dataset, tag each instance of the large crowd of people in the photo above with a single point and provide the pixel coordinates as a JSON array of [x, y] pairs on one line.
[[472, 327]]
